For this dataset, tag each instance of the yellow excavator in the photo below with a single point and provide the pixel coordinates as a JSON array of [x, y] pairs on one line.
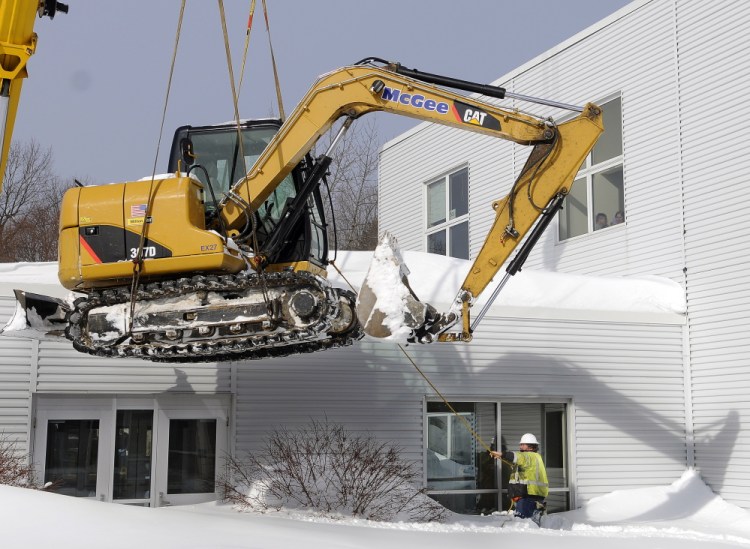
[[224, 257]]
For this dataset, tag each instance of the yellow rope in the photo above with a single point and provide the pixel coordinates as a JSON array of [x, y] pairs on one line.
[[432, 385]]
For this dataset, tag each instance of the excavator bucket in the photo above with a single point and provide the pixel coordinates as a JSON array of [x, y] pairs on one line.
[[387, 307], [37, 317]]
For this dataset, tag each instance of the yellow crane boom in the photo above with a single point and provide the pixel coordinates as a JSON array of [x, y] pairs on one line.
[[17, 44]]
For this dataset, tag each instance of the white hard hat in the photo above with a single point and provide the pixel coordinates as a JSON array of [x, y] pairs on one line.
[[528, 438]]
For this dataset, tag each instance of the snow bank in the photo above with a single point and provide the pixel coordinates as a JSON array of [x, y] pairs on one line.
[[684, 515], [687, 503]]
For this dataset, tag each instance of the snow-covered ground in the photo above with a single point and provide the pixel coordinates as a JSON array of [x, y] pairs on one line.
[[683, 515]]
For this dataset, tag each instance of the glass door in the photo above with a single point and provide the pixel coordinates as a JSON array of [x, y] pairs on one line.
[[72, 457], [190, 448], [131, 477]]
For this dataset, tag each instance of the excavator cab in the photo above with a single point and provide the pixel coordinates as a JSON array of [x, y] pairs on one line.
[[213, 155]]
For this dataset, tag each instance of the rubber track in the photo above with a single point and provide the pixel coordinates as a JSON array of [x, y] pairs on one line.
[[255, 347]]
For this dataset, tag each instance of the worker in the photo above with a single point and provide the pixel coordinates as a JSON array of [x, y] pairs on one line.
[[528, 486]]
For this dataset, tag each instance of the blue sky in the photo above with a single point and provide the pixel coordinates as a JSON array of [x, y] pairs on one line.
[[98, 81]]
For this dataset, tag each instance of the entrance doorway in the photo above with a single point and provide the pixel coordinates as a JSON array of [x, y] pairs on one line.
[[132, 450]]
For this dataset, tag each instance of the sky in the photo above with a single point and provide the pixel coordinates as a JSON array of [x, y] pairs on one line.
[[97, 84], [682, 515]]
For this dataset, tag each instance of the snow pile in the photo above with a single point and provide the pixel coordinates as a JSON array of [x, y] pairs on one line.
[[686, 504], [383, 306], [685, 515]]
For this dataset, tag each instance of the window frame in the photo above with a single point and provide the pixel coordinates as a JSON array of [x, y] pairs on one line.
[[448, 224], [589, 170], [568, 443]]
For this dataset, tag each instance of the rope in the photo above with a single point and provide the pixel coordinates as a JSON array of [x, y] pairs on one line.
[[138, 259], [241, 142], [247, 44], [273, 62], [432, 385]]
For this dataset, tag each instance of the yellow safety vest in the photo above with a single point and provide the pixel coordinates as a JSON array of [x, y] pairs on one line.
[[531, 472]]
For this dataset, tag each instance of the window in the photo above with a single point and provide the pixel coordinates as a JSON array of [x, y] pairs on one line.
[[460, 473], [597, 197], [192, 456], [134, 433], [448, 215], [462, 476], [71, 463]]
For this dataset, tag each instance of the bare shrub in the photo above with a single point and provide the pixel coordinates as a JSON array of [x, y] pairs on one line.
[[325, 468], [14, 467]]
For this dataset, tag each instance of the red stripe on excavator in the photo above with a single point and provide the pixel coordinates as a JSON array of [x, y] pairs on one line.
[[455, 112], [89, 249]]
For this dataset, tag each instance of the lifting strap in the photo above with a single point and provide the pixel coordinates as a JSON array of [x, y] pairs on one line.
[[247, 44], [138, 259], [282, 115], [277, 83], [240, 144]]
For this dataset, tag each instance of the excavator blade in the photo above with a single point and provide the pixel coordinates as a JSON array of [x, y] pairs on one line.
[[387, 307], [37, 317]]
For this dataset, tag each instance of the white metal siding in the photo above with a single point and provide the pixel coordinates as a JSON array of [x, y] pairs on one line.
[[15, 383], [63, 370], [588, 70], [625, 382], [682, 71], [714, 76]]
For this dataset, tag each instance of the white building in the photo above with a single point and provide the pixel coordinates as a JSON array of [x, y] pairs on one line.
[[620, 398], [671, 75]]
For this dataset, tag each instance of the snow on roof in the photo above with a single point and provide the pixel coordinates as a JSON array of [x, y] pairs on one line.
[[436, 279], [40, 278]]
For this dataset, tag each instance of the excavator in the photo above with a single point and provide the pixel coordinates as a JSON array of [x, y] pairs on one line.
[[224, 257]]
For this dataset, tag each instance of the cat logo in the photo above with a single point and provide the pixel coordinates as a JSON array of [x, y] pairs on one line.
[[474, 116]]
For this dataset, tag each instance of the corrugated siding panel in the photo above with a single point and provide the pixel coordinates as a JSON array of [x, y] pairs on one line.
[[586, 71], [15, 383], [712, 63], [434, 152], [591, 70], [64, 370], [621, 379]]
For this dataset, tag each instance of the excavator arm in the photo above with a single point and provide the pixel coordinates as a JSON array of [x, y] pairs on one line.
[[360, 89], [350, 92]]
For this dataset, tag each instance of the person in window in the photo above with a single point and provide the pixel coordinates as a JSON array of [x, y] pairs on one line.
[[619, 218], [528, 486], [601, 221]]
